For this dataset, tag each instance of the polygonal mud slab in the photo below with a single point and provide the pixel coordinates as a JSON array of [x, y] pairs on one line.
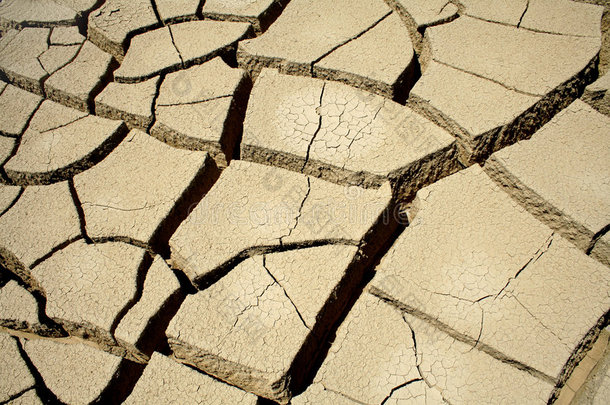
[[420, 14], [132, 103], [61, 142], [27, 59], [459, 101], [66, 36], [172, 47], [380, 356], [522, 60], [43, 219], [360, 43], [16, 108], [35, 13], [173, 11], [200, 109], [309, 30], [15, 376], [570, 194], [564, 17], [75, 373], [259, 13], [254, 208], [265, 318], [343, 135], [494, 276], [112, 26], [78, 81], [166, 381], [19, 311], [95, 290], [137, 191], [381, 61]]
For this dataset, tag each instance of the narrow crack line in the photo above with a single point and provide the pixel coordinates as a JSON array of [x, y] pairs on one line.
[[461, 337], [476, 343], [15, 200], [342, 395], [527, 6], [142, 272], [17, 395], [551, 331], [250, 306], [418, 362], [171, 34], [296, 219], [488, 79], [153, 106], [386, 399], [111, 207], [196, 102], [64, 125], [597, 237], [347, 41], [315, 134], [223, 269], [537, 255], [54, 250], [44, 79], [79, 210], [285, 292], [349, 150]]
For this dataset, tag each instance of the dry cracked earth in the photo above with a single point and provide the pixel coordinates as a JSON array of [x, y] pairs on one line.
[[304, 202]]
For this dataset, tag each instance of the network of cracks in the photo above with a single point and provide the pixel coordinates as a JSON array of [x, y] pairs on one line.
[[304, 201]]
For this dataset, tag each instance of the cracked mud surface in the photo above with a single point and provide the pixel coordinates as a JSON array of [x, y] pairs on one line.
[[304, 201]]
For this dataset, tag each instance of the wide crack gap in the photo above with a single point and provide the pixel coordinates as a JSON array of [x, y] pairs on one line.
[[285, 292], [360, 272], [597, 237], [44, 393], [3, 175]]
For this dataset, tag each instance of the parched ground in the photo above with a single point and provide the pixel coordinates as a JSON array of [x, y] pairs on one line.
[[304, 202]]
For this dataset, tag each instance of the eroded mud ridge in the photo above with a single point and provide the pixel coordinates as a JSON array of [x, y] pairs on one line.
[[304, 202]]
